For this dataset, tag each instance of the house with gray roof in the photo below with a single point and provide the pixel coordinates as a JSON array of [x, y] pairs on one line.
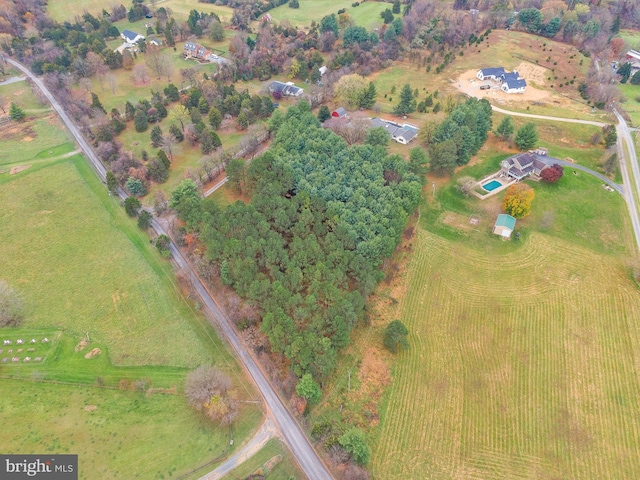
[[490, 73], [131, 37], [285, 89], [404, 133], [521, 166]]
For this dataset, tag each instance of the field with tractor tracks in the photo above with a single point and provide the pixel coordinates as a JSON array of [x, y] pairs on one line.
[[522, 364]]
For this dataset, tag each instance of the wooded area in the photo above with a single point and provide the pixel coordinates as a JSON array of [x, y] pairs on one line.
[[307, 249]]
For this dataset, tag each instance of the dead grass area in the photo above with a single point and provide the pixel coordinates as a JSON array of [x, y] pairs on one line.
[[374, 376], [461, 222], [18, 169]]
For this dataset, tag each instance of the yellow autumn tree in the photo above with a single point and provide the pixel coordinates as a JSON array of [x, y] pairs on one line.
[[517, 201]]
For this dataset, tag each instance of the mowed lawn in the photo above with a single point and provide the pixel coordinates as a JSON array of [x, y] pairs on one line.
[[521, 365], [366, 14], [79, 272]]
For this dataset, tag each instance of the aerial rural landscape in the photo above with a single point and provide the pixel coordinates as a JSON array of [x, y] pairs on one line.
[[289, 239]]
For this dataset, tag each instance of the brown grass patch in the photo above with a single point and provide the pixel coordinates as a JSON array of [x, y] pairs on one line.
[[93, 353], [18, 169], [374, 376]]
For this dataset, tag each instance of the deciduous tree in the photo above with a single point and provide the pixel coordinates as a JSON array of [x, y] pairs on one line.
[[308, 388], [517, 200], [354, 441], [552, 174], [11, 305], [209, 390]]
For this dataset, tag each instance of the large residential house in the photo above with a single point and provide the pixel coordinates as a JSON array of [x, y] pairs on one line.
[[510, 82], [521, 166], [404, 133], [194, 50], [490, 73], [285, 89], [130, 37]]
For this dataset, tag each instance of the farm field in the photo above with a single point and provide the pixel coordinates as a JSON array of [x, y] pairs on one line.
[[111, 430], [87, 271], [367, 14], [522, 363]]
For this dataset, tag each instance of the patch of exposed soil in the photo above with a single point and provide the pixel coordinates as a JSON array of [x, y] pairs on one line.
[[469, 84], [93, 353], [18, 169], [90, 408], [82, 344]]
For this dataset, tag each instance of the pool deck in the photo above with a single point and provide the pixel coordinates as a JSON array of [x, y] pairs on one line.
[[493, 176]]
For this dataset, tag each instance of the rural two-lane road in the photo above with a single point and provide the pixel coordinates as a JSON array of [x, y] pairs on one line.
[[293, 435]]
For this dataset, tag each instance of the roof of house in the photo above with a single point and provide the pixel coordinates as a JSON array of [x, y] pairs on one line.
[[285, 88], [494, 71], [513, 84], [506, 221], [190, 46], [340, 111], [131, 36], [633, 54], [506, 76], [408, 133], [323, 69]]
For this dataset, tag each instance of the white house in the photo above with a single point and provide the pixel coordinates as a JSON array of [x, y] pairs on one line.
[[131, 37], [514, 86], [490, 73], [404, 133], [323, 69], [286, 89]]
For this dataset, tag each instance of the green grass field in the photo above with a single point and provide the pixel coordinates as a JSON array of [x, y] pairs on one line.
[[630, 105], [366, 14], [522, 364], [631, 38], [85, 269], [116, 434]]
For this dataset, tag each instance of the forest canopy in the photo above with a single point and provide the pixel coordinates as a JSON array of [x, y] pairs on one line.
[[307, 249]]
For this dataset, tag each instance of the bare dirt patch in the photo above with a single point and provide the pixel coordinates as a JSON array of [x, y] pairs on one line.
[[18, 169], [469, 84], [532, 73], [90, 408], [18, 93], [82, 344], [93, 353], [461, 222]]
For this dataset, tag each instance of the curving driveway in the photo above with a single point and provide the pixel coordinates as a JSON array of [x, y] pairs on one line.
[[293, 435]]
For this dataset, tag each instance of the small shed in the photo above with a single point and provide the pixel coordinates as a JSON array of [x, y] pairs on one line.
[[339, 112], [504, 225]]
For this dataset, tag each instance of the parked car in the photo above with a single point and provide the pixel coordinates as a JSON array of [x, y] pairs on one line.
[[485, 87]]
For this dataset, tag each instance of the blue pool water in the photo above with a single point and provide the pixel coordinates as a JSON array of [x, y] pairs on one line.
[[492, 185]]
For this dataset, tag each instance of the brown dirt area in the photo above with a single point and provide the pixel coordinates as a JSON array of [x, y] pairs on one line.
[[82, 344], [93, 353], [90, 408], [18, 169], [374, 376], [469, 84]]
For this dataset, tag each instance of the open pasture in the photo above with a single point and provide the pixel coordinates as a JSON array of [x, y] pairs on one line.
[[78, 270], [366, 14], [521, 364]]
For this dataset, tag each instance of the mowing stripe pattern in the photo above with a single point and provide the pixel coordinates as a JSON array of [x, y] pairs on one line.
[[523, 365]]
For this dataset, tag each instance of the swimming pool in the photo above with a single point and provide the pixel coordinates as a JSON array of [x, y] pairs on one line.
[[492, 185]]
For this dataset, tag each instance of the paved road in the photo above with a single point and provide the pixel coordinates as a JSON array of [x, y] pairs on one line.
[[84, 146], [216, 187], [302, 450], [266, 433], [575, 166], [13, 80], [624, 136], [544, 117]]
